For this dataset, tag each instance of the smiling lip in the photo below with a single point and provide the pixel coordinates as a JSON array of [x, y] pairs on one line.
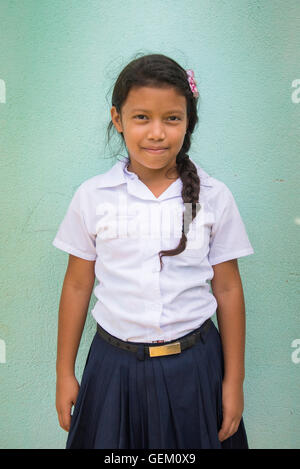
[[155, 150]]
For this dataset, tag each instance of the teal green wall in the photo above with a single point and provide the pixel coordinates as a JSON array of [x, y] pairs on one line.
[[59, 59]]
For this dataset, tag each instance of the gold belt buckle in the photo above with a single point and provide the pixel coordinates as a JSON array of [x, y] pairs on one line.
[[168, 349]]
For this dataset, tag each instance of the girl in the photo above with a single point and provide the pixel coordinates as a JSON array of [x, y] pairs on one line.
[[158, 374]]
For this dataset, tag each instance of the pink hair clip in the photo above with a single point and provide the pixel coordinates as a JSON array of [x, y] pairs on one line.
[[192, 83]]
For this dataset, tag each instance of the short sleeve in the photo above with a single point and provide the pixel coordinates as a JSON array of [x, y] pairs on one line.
[[73, 235], [228, 239]]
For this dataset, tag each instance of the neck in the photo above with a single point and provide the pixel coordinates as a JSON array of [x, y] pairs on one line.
[[148, 175]]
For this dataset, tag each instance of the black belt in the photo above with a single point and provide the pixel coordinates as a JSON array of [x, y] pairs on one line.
[[156, 350]]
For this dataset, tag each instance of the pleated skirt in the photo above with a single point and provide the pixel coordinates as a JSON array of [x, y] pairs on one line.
[[166, 402]]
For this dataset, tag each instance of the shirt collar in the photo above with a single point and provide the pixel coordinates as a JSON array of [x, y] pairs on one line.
[[116, 175]]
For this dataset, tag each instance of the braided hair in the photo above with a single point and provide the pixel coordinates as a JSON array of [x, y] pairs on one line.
[[158, 70]]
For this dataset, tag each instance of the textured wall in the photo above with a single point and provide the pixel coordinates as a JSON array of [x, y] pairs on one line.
[[58, 62]]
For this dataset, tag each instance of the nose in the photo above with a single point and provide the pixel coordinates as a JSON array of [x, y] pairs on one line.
[[156, 131]]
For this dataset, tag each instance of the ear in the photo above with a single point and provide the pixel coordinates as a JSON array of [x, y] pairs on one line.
[[116, 119]]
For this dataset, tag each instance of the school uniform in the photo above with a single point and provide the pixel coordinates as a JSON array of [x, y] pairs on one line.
[[153, 375]]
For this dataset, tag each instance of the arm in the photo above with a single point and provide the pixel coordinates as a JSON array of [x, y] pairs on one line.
[[228, 291], [75, 297]]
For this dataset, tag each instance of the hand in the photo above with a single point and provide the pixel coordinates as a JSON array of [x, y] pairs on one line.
[[232, 406], [67, 389]]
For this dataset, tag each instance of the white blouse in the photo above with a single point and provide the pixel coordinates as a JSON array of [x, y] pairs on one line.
[[115, 219]]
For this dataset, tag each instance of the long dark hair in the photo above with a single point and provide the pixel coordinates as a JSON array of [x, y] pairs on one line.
[[157, 70]]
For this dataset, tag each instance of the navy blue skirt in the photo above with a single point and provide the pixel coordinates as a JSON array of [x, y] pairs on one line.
[[166, 402]]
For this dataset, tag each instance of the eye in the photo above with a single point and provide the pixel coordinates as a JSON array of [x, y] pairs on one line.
[[138, 116]]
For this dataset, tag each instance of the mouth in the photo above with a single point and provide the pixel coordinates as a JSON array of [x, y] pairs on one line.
[[156, 151]]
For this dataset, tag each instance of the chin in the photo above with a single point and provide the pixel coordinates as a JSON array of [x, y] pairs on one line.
[[153, 163]]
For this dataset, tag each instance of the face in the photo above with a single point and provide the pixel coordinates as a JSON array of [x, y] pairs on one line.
[[154, 123]]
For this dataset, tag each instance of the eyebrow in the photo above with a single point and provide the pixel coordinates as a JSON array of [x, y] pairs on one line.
[[174, 111]]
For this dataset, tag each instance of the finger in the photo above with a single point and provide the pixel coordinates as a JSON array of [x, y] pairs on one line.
[[232, 429], [59, 419], [66, 417], [61, 422], [226, 424]]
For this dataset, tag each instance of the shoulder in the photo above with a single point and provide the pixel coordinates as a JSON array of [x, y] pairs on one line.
[[93, 183], [213, 189], [99, 189], [108, 179]]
